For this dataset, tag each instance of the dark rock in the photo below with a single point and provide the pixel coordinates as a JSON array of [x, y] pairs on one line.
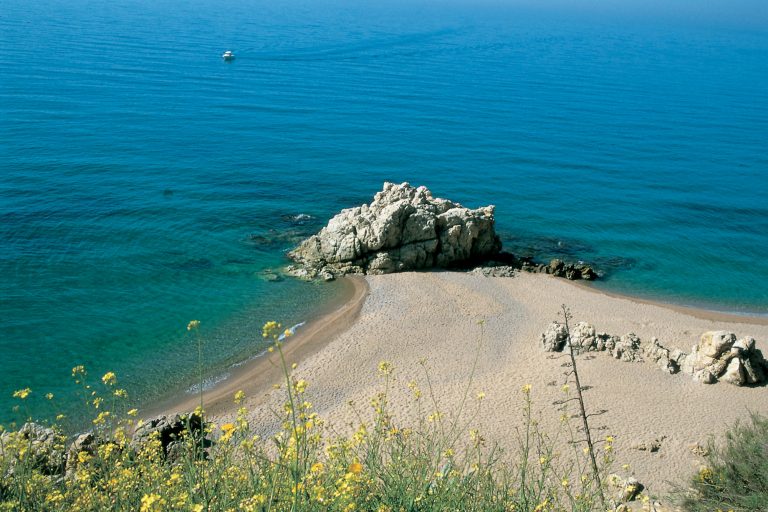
[[168, 430]]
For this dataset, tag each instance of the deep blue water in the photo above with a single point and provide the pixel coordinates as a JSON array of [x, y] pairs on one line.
[[144, 182]]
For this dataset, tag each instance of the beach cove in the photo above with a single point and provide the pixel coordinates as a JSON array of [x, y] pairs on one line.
[[432, 318]]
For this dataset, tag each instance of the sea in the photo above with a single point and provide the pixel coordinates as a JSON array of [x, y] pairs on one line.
[[145, 182]]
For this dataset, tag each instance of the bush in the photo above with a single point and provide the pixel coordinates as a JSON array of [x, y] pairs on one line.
[[735, 476]]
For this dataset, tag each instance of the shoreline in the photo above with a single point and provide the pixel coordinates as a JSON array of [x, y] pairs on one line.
[[257, 374], [695, 311]]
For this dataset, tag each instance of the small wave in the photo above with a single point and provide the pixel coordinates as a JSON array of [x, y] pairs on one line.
[[208, 383], [292, 330], [261, 353]]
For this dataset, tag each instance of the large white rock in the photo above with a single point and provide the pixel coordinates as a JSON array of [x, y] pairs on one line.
[[404, 228]]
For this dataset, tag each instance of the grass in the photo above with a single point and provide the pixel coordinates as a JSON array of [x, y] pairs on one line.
[[437, 464]]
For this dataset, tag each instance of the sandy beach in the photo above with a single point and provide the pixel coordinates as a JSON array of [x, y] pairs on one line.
[[430, 320]]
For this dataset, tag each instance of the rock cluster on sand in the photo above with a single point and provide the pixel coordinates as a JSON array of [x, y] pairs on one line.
[[718, 356], [404, 228]]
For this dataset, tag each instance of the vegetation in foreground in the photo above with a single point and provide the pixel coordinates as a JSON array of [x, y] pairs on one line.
[[735, 476], [440, 463]]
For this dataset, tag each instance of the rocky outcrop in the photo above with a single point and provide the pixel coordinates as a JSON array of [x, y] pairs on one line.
[[404, 228], [506, 264], [43, 448], [718, 356]]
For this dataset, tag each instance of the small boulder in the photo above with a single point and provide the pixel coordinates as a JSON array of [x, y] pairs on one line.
[[714, 343], [554, 338], [168, 430], [83, 443], [734, 373], [745, 344], [624, 489], [583, 337], [627, 348]]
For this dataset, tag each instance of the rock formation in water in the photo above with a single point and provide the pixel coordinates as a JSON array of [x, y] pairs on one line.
[[718, 356], [404, 228], [505, 264]]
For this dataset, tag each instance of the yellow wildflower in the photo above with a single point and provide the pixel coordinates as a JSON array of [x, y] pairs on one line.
[[526, 388], [317, 467], [152, 502], [385, 368], [414, 389], [109, 378], [355, 468], [300, 386], [193, 324], [101, 418], [49, 396], [480, 395], [22, 393], [239, 396], [270, 330], [78, 370], [133, 412]]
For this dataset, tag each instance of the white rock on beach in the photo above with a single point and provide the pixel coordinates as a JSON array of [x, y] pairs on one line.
[[717, 357], [404, 228]]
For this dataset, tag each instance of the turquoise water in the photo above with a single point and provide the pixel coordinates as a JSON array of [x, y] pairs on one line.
[[144, 182]]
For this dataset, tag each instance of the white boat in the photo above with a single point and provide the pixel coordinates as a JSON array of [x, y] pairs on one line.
[[228, 55]]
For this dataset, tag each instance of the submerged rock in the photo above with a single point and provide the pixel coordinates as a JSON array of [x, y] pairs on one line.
[[404, 228]]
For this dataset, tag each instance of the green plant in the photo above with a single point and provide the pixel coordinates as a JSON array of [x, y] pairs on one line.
[[735, 477]]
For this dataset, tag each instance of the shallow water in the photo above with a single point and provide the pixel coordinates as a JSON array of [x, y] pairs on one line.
[[144, 182]]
